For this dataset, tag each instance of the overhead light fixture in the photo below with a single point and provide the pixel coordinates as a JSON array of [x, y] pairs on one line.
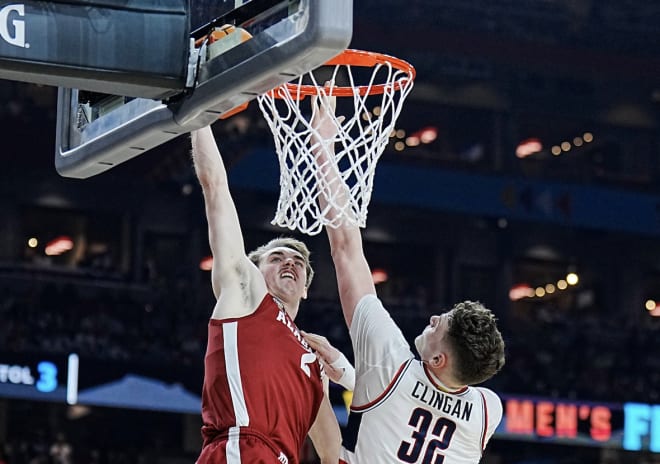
[[428, 134], [379, 276], [528, 147], [206, 264], [520, 291], [59, 245], [653, 308]]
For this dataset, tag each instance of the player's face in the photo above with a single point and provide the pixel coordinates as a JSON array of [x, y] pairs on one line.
[[429, 342], [285, 273]]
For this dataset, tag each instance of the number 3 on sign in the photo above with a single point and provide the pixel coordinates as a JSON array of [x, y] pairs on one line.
[[47, 381], [305, 360]]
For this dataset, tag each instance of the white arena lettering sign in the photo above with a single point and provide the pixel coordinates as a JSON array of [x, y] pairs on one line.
[[41, 375], [20, 375], [12, 30]]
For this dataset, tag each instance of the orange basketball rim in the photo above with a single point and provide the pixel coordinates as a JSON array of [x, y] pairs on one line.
[[360, 58]]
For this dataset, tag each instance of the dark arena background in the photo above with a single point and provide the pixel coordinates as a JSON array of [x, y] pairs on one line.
[[524, 173]]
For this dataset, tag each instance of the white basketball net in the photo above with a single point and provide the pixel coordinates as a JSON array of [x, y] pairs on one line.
[[360, 141]]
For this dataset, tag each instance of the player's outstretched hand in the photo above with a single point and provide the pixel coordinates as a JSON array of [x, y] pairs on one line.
[[335, 364], [323, 117], [326, 353]]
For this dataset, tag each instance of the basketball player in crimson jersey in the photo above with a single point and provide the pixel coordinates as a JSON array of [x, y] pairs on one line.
[[263, 390], [406, 410]]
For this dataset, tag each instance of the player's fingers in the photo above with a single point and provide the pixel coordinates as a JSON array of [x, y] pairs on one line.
[[330, 100], [319, 345], [315, 340], [322, 347], [311, 335], [312, 343]]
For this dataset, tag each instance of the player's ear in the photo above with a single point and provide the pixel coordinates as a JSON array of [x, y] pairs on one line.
[[438, 360], [304, 295]]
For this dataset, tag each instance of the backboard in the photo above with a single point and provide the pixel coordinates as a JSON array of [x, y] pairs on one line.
[[285, 38], [97, 45]]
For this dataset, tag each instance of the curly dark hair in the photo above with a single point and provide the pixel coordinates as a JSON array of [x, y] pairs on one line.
[[287, 242], [476, 342]]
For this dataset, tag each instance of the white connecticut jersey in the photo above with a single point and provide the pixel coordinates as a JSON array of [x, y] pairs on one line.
[[401, 413]]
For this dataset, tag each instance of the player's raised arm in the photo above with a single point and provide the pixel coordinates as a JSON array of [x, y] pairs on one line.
[[353, 274], [237, 283]]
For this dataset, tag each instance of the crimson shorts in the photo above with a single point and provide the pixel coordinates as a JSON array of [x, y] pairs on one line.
[[248, 448]]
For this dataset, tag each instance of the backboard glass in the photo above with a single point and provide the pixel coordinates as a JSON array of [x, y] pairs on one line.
[[287, 38]]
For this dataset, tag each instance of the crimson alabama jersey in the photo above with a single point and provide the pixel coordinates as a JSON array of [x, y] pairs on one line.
[[401, 413], [260, 375]]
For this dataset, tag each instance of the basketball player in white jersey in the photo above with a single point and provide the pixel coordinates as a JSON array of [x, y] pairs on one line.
[[406, 410]]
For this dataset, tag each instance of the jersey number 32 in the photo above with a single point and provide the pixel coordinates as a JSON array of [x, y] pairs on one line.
[[429, 449]]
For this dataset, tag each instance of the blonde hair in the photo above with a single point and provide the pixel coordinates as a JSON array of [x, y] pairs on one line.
[[287, 242]]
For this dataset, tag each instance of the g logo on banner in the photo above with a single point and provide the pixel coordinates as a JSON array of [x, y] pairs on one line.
[[13, 31]]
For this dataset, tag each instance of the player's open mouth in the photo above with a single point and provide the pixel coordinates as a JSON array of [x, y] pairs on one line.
[[288, 275]]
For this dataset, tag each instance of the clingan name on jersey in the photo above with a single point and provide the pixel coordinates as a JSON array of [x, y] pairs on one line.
[[450, 405]]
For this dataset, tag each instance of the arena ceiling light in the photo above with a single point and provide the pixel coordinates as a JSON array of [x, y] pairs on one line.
[[59, 245], [528, 147]]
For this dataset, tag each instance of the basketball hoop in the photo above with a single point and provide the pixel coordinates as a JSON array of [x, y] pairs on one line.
[[378, 85]]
